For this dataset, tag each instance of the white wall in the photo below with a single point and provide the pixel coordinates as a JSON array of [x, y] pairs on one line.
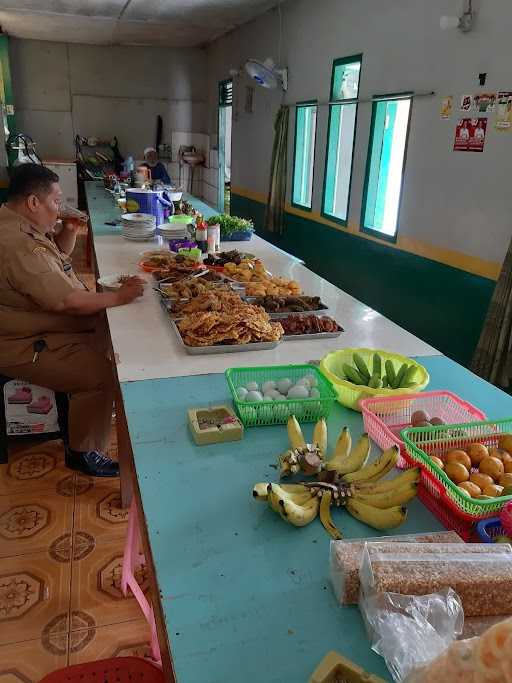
[[62, 90], [453, 200]]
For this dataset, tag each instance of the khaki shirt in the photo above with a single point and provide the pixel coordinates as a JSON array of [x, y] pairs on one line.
[[35, 277]]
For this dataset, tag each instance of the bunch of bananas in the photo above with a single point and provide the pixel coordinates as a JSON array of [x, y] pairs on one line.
[[392, 379], [346, 480]]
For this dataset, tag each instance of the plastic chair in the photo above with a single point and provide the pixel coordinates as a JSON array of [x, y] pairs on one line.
[[116, 670], [131, 559]]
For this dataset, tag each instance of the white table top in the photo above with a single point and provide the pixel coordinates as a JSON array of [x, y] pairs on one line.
[[147, 348]]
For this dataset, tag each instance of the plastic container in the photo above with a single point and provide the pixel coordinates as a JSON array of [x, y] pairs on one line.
[[259, 414], [337, 669], [349, 394], [385, 416], [488, 529], [423, 442], [240, 236]]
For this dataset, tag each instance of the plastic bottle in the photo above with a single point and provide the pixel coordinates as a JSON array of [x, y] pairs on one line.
[[201, 234]]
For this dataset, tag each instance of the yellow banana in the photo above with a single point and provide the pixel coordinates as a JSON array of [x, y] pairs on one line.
[[294, 488], [273, 501], [295, 435], [320, 436], [343, 444], [374, 517], [299, 497], [377, 469], [259, 491], [325, 516], [299, 515], [388, 499], [411, 476], [355, 461]]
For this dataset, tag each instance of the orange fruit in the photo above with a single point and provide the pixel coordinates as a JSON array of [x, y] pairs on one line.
[[477, 452], [437, 461], [481, 480], [456, 472], [459, 456], [492, 490], [505, 480], [508, 466], [492, 466], [500, 453], [471, 488], [505, 442]]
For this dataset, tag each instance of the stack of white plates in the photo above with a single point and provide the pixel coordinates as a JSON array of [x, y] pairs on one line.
[[138, 226], [176, 231]]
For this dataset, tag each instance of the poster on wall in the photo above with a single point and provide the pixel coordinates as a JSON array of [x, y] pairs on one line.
[[504, 111], [470, 135], [446, 107], [465, 102], [484, 102]]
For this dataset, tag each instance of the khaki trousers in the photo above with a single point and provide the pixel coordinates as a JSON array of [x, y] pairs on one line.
[[86, 375]]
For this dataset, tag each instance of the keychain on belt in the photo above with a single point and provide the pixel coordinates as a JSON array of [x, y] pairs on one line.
[[39, 346]]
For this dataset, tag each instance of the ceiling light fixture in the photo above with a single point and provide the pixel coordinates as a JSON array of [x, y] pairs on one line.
[[464, 23]]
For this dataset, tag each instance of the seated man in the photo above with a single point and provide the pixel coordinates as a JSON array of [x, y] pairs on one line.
[[158, 170], [48, 318]]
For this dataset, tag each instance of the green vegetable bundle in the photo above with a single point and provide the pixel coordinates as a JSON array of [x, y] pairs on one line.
[[230, 224], [361, 375]]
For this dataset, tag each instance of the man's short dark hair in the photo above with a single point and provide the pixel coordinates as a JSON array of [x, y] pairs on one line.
[[30, 179]]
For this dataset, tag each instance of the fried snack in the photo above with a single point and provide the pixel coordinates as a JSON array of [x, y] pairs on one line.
[[309, 324], [188, 289], [241, 324], [209, 301], [258, 281]]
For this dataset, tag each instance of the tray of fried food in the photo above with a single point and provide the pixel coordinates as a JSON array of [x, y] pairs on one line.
[[243, 327], [248, 270], [273, 286], [190, 288], [212, 300], [310, 327], [283, 306]]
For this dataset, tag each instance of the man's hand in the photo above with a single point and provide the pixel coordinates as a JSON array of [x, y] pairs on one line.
[[73, 226], [130, 290]]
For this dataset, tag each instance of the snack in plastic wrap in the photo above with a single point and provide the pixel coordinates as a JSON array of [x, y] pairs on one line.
[[480, 573], [346, 556]]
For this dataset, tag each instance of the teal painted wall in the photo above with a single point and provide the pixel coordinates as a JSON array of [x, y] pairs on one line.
[[444, 306]]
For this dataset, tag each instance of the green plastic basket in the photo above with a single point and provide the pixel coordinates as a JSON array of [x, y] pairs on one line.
[[260, 414], [423, 442]]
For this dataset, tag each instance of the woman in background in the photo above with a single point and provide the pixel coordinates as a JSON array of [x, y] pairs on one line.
[[158, 170]]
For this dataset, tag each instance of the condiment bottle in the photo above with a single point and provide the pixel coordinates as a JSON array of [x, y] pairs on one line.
[[201, 235]]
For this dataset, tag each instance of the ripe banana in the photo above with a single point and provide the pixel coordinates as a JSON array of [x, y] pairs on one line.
[[259, 491], [376, 518], [411, 476], [343, 444], [295, 435], [299, 515], [299, 497], [325, 516], [375, 470], [355, 461], [320, 436], [388, 499], [273, 501]]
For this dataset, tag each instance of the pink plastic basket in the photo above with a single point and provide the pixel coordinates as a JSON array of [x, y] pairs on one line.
[[385, 417]]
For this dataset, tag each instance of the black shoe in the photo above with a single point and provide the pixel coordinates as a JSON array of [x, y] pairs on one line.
[[93, 463]]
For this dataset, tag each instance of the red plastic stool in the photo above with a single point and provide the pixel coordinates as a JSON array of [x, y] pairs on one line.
[[116, 670]]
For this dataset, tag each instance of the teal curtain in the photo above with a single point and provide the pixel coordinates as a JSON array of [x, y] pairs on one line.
[[493, 355], [274, 215]]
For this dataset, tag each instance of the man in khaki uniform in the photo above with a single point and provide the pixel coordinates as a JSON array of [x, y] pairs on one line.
[[48, 319]]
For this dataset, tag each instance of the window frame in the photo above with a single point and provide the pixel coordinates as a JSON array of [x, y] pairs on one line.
[[340, 61], [298, 105], [376, 99]]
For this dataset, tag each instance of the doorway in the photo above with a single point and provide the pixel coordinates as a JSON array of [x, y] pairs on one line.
[[225, 128]]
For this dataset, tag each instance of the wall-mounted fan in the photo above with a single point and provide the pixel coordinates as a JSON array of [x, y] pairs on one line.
[[267, 74]]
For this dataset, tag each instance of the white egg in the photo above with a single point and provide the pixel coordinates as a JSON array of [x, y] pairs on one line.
[[267, 387], [242, 393], [252, 386], [284, 385], [313, 382], [298, 391], [304, 381], [276, 395], [254, 396], [314, 393], [268, 397]]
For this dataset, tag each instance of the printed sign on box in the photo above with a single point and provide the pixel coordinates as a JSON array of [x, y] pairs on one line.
[[504, 111], [465, 102], [470, 135], [484, 102], [446, 109], [29, 409]]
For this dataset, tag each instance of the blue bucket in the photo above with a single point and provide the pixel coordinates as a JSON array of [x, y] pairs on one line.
[[154, 202]]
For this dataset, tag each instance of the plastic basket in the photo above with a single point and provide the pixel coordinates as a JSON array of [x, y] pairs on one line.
[[337, 669], [488, 529], [349, 394], [422, 442], [385, 416], [260, 414]]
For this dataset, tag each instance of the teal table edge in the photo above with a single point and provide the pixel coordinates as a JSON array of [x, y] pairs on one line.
[[244, 595]]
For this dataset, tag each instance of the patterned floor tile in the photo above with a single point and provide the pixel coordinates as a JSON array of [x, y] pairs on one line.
[[39, 468], [129, 639], [96, 586], [34, 597], [98, 511], [29, 661], [33, 522]]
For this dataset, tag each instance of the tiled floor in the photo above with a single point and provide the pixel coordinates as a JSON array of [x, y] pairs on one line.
[[61, 544]]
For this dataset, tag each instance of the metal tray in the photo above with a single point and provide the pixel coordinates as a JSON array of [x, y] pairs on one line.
[[285, 314], [226, 348], [319, 335]]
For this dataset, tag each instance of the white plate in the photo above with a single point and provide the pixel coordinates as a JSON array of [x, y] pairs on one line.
[[110, 282], [138, 217], [148, 238]]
